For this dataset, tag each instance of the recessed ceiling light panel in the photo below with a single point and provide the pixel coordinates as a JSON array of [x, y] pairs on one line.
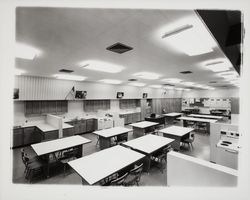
[[69, 77], [25, 51], [147, 75], [110, 81], [101, 66], [19, 72], [137, 84], [172, 80], [155, 86]]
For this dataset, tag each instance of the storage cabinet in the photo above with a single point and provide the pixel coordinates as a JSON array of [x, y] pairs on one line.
[[131, 117], [25, 136], [68, 132], [129, 103], [28, 135], [44, 107], [17, 137], [90, 125], [82, 126], [95, 105]]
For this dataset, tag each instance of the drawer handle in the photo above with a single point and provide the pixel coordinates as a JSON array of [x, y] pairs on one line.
[[231, 151]]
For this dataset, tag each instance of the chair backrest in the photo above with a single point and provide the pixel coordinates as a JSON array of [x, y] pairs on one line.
[[137, 169], [119, 181], [24, 156]]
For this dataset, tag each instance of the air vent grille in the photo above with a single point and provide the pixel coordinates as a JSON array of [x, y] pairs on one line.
[[132, 79], [119, 48], [186, 72], [66, 70]]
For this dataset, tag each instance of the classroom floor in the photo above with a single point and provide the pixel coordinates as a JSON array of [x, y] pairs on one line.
[[154, 178]]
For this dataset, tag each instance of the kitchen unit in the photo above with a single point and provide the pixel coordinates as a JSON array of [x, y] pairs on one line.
[[228, 149]]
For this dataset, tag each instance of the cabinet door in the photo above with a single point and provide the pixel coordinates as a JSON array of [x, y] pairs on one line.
[[77, 128], [130, 118], [68, 132], [58, 106], [28, 107], [28, 135], [51, 135], [17, 137], [52, 106], [90, 125], [134, 117], [36, 107], [82, 126], [64, 105], [44, 107]]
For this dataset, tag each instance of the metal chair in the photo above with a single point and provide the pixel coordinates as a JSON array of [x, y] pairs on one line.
[[161, 157], [134, 176], [119, 181], [189, 141]]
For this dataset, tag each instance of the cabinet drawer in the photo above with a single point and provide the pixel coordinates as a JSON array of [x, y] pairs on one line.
[[17, 137]]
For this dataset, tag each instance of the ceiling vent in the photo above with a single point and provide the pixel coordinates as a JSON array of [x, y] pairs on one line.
[[212, 81], [66, 70], [132, 79], [167, 84], [186, 72], [119, 48]]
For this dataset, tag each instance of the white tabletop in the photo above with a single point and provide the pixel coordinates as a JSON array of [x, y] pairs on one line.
[[58, 144], [173, 114], [99, 165], [143, 124], [176, 130], [198, 119], [206, 116], [111, 132], [148, 143]]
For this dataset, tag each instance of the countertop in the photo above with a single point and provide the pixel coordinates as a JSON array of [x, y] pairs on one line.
[[42, 125], [128, 112]]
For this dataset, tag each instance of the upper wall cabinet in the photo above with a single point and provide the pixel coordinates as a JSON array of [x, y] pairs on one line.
[[95, 105], [129, 103], [45, 107]]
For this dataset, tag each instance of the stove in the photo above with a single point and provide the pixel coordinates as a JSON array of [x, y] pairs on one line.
[[229, 140]]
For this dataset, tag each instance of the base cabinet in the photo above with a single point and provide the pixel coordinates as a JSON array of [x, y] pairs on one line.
[[17, 137], [68, 132]]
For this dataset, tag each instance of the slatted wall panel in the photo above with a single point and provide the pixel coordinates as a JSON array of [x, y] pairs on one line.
[[171, 104], [40, 88]]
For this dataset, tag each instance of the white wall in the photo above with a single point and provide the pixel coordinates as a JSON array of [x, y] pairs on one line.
[[41, 88], [223, 93]]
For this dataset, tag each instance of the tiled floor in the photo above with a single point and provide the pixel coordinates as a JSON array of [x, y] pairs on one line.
[[153, 178]]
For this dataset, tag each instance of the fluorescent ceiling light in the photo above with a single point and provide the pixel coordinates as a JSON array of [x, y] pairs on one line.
[[229, 75], [188, 40], [147, 75], [155, 86], [180, 89], [111, 81], [69, 77], [26, 52], [172, 80], [188, 83], [218, 65], [169, 87], [186, 89], [137, 84], [19, 72], [101, 66]]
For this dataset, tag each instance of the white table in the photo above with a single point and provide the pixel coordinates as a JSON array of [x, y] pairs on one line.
[[45, 149], [193, 119], [206, 116], [170, 117], [177, 133], [97, 166], [105, 135], [141, 128], [148, 145]]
